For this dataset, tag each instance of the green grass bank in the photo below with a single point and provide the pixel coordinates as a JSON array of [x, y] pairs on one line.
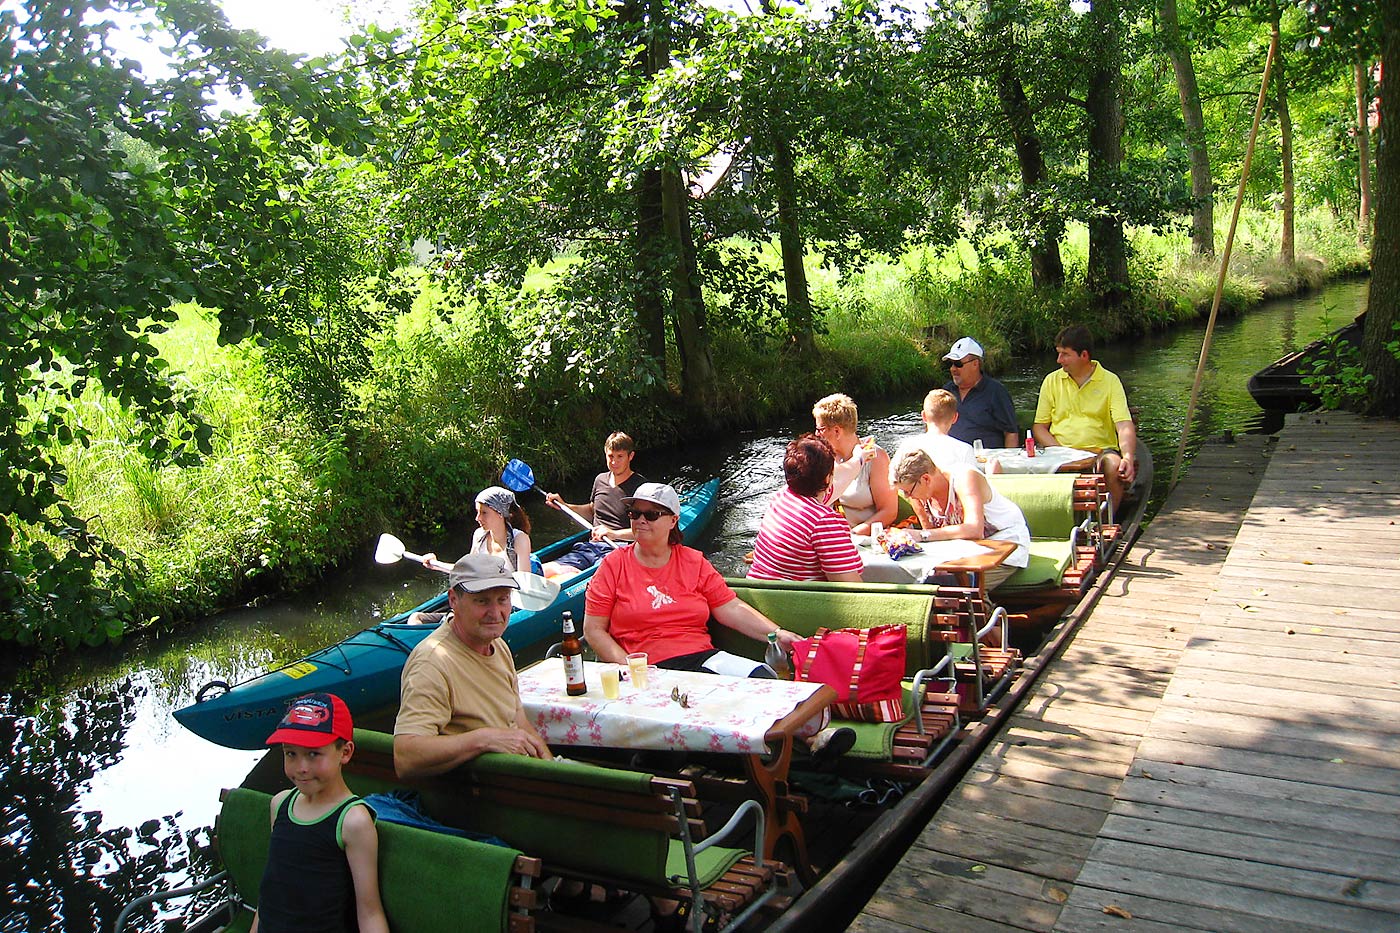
[[458, 387]]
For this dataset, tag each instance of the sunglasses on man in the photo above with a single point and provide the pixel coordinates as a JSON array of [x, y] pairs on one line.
[[959, 364], [650, 515]]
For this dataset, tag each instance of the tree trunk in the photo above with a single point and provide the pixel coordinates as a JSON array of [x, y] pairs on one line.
[[1047, 269], [687, 302], [1108, 247], [1363, 151], [1383, 306], [651, 247], [1287, 251], [1202, 187], [799, 300], [648, 262]]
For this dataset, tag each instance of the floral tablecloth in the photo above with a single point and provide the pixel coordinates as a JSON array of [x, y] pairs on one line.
[[724, 714], [1046, 459]]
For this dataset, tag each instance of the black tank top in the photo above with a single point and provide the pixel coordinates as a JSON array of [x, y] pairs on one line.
[[306, 886]]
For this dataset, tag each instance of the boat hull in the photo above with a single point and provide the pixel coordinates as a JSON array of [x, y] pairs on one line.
[[1279, 386], [363, 669]]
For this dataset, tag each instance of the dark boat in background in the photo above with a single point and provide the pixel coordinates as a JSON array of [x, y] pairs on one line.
[[1279, 386]]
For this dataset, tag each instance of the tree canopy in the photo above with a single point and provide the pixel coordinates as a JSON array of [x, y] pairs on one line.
[[654, 154]]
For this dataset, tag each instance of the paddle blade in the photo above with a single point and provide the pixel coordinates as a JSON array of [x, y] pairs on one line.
[[535, 593], [389, 550], [517, 476]]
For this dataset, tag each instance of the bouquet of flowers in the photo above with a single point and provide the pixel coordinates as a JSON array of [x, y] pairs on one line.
[[898, 542]]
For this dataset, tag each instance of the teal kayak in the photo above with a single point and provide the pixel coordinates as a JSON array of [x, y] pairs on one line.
[[363, 670]]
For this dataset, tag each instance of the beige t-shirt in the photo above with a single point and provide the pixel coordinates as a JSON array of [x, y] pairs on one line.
[[447, 688]]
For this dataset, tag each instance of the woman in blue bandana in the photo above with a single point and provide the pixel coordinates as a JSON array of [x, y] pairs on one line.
[[505, 528]]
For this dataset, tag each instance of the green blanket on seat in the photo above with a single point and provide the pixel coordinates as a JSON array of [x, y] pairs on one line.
[[465, 878]]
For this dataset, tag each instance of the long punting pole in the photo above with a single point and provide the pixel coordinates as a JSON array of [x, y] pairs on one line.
[[1225, 261]]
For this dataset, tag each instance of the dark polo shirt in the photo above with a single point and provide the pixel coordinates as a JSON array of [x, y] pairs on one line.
[[986, 412]]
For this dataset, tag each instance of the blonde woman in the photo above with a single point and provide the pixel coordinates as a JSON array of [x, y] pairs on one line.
[[861, 472]]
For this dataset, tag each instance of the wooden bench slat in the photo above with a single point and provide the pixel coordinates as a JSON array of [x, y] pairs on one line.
[[621, 815]]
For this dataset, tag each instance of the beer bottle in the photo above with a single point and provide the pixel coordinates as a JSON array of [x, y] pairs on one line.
[[572, 653], [775, 657]]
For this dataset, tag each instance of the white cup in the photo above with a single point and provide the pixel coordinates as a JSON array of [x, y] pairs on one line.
[[977, 445]]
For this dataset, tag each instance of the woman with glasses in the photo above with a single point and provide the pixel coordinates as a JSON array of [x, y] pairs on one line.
[[955, 501], [860, 473], [801, 536], [658, 595]]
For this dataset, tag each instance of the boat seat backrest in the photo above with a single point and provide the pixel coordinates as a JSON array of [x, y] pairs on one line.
[[427, 881], [804, 607], [574, 816], [1047, 502]]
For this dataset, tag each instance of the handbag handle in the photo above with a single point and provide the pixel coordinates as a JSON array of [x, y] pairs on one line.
[[862, 640]]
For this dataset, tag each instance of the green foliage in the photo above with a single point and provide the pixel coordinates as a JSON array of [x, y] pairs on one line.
[[337, 290], [1336, 374], [99, 235]]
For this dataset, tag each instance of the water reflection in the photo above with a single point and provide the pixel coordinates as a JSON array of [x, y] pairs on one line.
[[103, 797]]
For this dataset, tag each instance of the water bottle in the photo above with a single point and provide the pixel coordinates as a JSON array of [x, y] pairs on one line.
[[1030, 445], [776, 658]]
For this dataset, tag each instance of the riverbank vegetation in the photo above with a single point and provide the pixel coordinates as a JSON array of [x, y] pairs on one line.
[[240, 344]]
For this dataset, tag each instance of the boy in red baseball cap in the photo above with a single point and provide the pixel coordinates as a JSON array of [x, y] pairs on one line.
[[322, 869]]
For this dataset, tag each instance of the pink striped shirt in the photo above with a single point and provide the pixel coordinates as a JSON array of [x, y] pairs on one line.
[[802, 539]]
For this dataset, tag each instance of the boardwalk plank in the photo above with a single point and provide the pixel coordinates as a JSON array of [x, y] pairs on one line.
[[1089, 733], [1342, 773], [903, 912], [1084, 912], [1305, 853], [1257, 873], [1381, 804], [1041, 787], [1244, 667], [1268, 825], [1064, 776], [1214, 805], [992, 894], [1378, 712], [1173, 720], [1281, 908]]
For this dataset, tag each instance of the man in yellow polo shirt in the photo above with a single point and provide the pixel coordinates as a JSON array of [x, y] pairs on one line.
[[1083, 405]]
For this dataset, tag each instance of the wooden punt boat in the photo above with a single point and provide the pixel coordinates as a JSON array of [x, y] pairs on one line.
[[1279, 386], [856, 830], [363, 669]]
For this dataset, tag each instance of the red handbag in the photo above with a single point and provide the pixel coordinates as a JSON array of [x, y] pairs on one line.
[[865, 666]]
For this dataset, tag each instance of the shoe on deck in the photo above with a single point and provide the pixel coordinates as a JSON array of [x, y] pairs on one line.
[[831, 743]]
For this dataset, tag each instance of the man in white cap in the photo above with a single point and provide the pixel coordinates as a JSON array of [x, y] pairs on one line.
[[459, 694], [985, 411]]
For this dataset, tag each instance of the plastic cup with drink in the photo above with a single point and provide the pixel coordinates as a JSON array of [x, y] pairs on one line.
[[637, 669], [609, 676]]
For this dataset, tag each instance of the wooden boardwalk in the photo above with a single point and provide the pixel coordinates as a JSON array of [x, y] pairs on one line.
[[1219, 746]]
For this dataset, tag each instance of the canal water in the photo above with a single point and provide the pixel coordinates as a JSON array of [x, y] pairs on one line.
[[104, 797]]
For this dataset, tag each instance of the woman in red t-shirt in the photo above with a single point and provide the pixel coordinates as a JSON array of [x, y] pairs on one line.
[[658, 595]]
